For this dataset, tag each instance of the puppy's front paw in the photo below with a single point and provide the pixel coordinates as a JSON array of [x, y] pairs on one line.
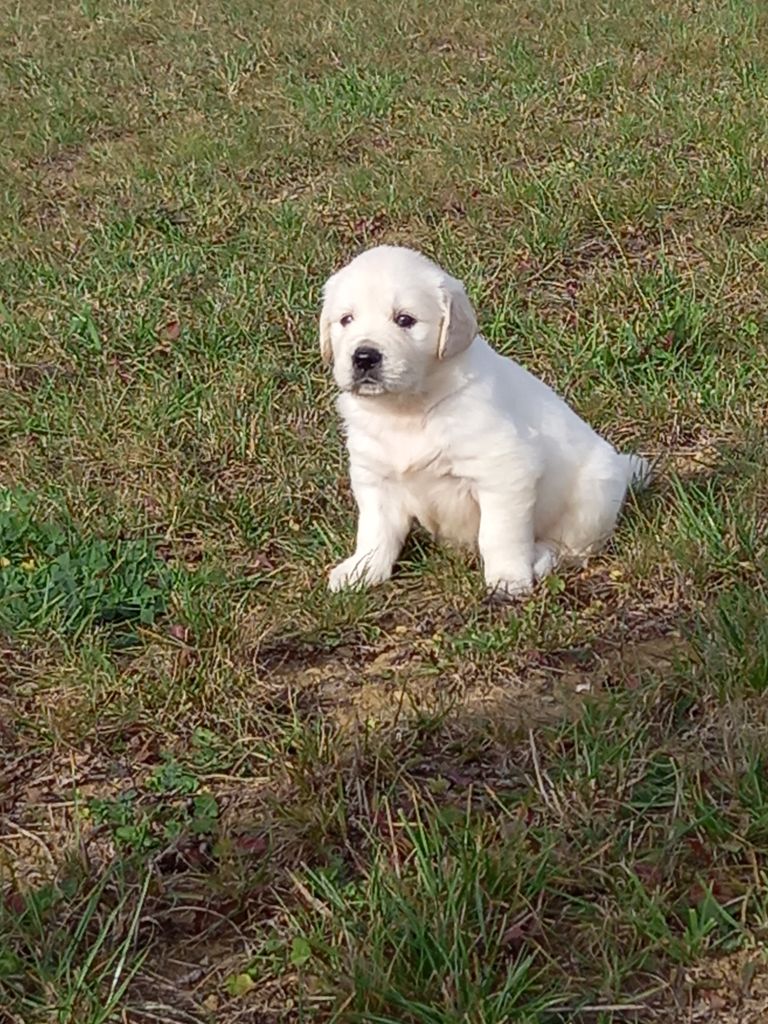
[[502, 589], [356, 571]]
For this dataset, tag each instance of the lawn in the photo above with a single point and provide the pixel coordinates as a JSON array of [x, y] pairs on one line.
[[229, 796]]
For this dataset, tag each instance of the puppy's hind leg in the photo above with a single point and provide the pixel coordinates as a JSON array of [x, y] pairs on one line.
[[595, 503], [505, 539]]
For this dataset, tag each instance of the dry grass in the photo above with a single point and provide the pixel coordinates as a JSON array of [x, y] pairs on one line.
[[228, 796]]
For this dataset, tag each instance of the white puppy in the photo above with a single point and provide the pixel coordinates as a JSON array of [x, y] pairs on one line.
[[444, 430]]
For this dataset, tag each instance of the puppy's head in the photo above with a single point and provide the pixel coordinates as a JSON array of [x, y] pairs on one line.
[[388, 318]]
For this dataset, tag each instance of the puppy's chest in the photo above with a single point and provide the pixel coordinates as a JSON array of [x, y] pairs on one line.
[[424, 473], [406, 455]]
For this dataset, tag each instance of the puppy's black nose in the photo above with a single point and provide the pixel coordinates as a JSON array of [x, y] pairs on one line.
[[365, 358]]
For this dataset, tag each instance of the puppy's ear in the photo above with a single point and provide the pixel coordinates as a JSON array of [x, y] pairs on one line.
[[326, 351], [459, 324]]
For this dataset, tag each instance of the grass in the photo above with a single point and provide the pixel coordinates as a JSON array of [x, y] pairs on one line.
[[227, 795]]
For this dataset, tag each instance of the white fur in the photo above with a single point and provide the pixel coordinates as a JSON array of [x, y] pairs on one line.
[[456, 436]]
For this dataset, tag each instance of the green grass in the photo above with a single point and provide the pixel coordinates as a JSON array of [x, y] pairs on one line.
[[228, 795]]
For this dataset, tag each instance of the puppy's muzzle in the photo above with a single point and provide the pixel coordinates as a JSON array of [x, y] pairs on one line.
[[366, 362]]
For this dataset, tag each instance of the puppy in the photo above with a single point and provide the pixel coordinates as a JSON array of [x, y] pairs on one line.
[[443, 430]]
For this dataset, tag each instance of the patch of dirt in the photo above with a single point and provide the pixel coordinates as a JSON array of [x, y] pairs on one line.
[[557, 284], [403, 676], [621, 666], [60, 164], [42, 816], [692, 451], [55, 184], [45, 816], [729, 990]]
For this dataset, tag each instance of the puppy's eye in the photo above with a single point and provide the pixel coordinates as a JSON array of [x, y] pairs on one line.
[[405, 320], [346, 320]]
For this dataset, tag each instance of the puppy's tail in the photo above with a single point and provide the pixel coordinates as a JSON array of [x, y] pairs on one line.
[[640, 472]]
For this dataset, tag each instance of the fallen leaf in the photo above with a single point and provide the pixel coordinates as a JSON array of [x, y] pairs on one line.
[[166, 334], [251, 844], [650, 875], [572, 288], [696, 894], [15, 903], [239, 985], [369, 226], [521, 931], [460, 779], [748, 972], [261, 563], [301, 951], [701, 854]]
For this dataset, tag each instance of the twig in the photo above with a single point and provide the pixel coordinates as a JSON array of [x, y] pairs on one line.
[[547, 792]]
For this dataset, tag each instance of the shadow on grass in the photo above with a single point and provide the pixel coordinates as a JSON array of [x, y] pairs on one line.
[[445, 867]]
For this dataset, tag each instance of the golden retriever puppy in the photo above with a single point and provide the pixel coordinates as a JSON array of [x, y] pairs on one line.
[[443, 430]]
